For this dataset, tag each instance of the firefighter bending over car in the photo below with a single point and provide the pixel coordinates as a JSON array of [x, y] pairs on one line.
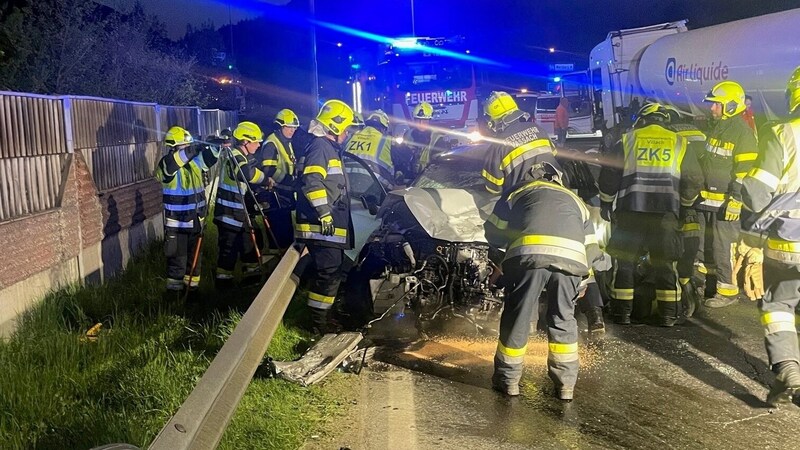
[[420, 143], [771, 190], [323, 208], [549, 243], [237, 237], [181, 172], [517, 146], [653, 182], [278, 161], [374, 146]]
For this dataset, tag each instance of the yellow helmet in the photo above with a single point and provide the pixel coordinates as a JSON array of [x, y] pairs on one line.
[[498, 105], [248, 131], [423, 111], [177, 136], [287, 118], [793, 90], [335, 116], [731, 95], [379, 116], [652, 112]]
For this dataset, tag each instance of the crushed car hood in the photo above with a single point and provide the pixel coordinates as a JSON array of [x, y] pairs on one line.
[[455, 215]]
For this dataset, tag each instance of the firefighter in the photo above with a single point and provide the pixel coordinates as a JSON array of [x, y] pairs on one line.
[[358, 122], [180, 172], [231, 216], [323, 208], [374, 146], [691, 274], [771, 190], [423, 141], [278, 161], [549, 243], [731, 149], [516, 147], [650, 178]]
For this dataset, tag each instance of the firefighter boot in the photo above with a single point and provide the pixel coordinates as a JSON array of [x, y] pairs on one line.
[[503, 386], [594, 317], [565, 393], [721, 301], [691, 298], [787, 382]]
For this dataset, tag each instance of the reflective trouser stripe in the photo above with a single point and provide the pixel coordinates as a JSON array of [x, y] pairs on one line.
[[668, 295], [727, 289], [623, 294], [778, 321], [320, 301], [510, 355], [191, 280], [562, 352]]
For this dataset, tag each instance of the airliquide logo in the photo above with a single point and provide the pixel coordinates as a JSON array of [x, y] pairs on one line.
[[714, 72]]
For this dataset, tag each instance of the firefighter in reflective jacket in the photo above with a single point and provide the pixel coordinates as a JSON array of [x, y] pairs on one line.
[[550, 244], [771, 190], [650, 177], [422, 140], [374, 146], [730, 152], [690, 270], [278, 163], [230, 215], [323, 207], [516, 147], [180, 172]]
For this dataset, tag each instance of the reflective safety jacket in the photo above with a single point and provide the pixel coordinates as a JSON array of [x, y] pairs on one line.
[[425, 145], [523, 145], [649, 171], [323, 191], [731, 150], [375, 149], [229, 208], [772, 190], [278, 162], [183, 191], [544, 225]]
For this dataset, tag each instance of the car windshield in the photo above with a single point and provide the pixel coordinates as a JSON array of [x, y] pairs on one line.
[[547, 103], [452, 172]]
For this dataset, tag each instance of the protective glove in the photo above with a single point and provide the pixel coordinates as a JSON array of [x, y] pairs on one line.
[[751, 259], [326, 223], [733, 209], [605, 210], [688, 215]]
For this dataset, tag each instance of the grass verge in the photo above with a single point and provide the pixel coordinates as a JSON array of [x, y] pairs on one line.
[[61, 391]]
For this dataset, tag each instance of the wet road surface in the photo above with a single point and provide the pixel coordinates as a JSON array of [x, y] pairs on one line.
[[700, 385]]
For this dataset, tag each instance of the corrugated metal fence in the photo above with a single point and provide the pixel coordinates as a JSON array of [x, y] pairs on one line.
[[120, 140]]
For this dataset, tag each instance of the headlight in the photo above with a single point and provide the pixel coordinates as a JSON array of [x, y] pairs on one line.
[[398, 140], [474, 136]]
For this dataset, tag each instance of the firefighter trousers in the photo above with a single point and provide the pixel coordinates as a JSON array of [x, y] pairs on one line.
[[713, 244], [592, 297], [782, 294], [280, 220], [521, 308], [233, 245], [636, 234], [179, 249], [325, 271]]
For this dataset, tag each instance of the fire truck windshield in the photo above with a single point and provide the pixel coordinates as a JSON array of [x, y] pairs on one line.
[[432, 75]]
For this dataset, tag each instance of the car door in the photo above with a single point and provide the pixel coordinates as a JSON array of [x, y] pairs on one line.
[[366, 193]]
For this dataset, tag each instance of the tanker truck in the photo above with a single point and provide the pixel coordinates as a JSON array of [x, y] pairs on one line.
[[674, 65]]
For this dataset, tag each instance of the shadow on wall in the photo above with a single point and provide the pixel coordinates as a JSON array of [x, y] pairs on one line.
[[111, 250]]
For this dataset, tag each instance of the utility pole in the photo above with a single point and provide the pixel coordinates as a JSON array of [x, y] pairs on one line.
[[413, 29], [314, 69]]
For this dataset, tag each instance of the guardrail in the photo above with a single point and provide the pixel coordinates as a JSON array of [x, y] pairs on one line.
[[203, 417]]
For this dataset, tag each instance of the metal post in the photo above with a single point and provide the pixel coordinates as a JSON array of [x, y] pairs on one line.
[[314, 69], [413, 27]]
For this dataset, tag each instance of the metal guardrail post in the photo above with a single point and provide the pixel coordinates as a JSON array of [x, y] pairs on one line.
[[204, 416]]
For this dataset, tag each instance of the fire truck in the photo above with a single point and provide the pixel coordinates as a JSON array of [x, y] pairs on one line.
[[410, 71]]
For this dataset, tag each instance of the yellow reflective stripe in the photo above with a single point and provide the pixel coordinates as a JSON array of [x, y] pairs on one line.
[[740, 175], [497, 222], [783, 246], [727, 291], [623, 294], [334, 163], [667, 295], [608, 198], [777, 316], [313, 195], [719, 196], [512, 352], [489, 177], [765, 177], [318, 229], [590, 239], [683, 281], [745, 157], [539, 239], [179, 157], [270, 163], [690, 227], [556, 347], [511, 156], [688, 202], [320, 298], [316, 169]]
